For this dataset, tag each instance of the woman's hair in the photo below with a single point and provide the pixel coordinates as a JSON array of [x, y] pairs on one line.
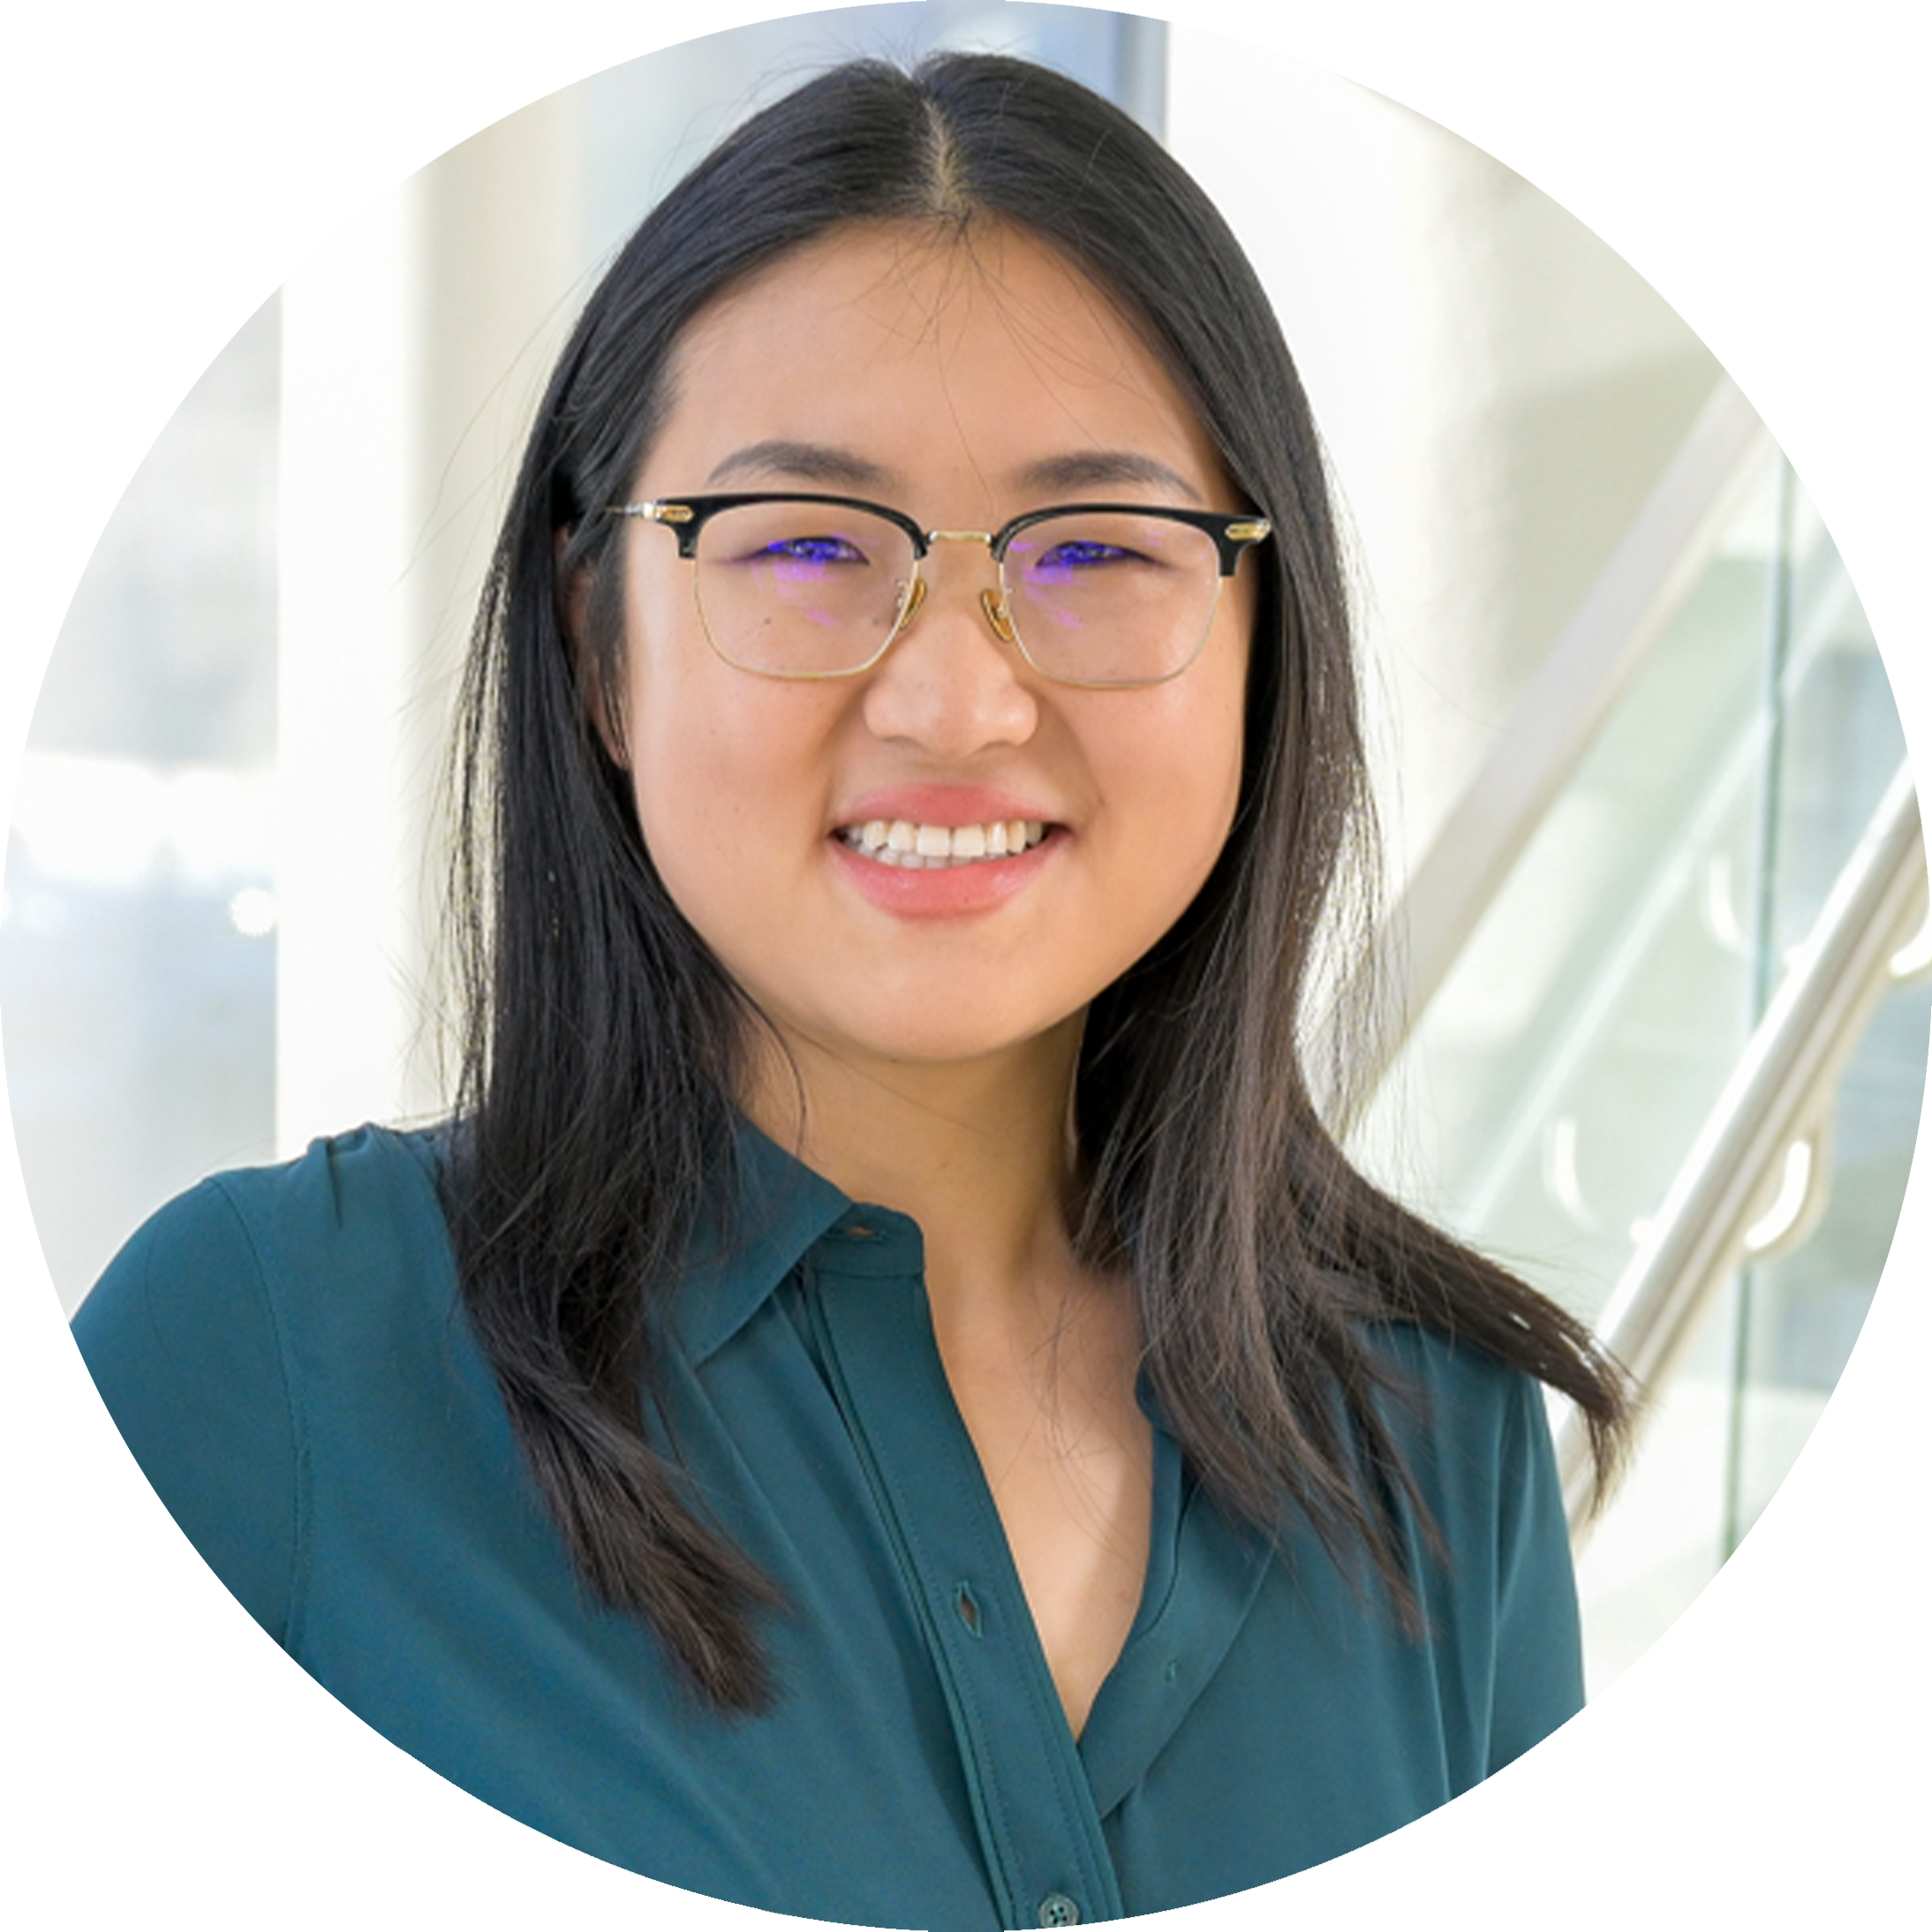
[[606, 1042]]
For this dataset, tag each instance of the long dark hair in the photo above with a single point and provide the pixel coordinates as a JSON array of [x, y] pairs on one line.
[[606, 1042]]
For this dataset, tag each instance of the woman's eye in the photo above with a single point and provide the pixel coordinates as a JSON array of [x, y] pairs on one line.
[[1075, 556], [813, 550]]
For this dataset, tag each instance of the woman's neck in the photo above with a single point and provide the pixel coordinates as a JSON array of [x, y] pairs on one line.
[[979, 1153]]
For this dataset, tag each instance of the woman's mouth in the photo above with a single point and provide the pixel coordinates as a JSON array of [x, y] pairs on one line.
[[935, 848]]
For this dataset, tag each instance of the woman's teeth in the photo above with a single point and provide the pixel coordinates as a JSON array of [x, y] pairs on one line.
[[898, 842]]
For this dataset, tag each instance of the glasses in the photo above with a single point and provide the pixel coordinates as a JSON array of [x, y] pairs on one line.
[[1106, 595]]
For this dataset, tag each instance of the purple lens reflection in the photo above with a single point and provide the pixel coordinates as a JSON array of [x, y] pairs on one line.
[[796, 588], [1112, 597]]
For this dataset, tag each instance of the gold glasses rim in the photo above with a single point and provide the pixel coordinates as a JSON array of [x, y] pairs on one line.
[[1232, 532]]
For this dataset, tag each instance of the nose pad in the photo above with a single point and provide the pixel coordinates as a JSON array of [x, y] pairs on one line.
[[991, 602], [995, 607], [914, 599]]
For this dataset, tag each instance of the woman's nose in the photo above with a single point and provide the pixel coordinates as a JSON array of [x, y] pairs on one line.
[[953, 682]]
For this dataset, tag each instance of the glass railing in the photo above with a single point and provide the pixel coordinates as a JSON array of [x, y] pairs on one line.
[[1759, 1175], [1590, 1020], [1578, 1057], [1554, 1088], [1828, 1537]]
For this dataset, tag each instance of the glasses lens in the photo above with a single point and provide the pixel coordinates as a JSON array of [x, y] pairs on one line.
[[797, 588], [1112, 597]]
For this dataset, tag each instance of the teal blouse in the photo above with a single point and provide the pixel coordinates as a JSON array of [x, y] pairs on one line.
[[285, 1351]]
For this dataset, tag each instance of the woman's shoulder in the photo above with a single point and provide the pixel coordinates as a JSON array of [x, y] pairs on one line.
[[246, 1263], [371, 1182], [1464, 1385], [1475, 1430], [366, 1197], [211, 1332]]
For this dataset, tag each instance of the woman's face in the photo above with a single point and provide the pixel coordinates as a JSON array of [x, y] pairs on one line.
[[963, 384]]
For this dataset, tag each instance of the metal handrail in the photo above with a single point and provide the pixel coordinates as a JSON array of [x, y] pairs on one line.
[[1725, 1200], [1583, 675]]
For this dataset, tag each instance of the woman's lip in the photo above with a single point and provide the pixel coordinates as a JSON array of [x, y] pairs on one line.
[[947, 892], [948, 805]]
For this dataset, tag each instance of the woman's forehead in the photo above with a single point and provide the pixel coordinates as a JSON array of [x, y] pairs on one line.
[[921, 281], [990, 332]]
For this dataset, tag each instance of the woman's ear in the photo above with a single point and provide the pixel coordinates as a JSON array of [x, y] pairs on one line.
[[575, 587]]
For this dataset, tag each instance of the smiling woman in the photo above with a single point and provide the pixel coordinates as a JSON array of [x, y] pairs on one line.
[[884, 1402], [948, 373]]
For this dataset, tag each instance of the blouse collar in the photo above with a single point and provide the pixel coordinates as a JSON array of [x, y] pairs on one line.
[[771, 1211]]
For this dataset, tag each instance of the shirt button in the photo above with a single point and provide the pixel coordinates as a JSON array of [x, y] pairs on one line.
[[1058, 1909], [967, 1606]]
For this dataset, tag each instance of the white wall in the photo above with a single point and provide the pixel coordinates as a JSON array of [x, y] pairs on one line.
[[414, 349], [1496, 388]]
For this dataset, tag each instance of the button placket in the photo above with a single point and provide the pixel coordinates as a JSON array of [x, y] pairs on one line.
[[1032, 1798]]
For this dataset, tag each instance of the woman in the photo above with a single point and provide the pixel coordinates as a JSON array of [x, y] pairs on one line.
[[886, 1404]]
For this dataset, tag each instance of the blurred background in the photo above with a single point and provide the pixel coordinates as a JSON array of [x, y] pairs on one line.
[[1656, 995]]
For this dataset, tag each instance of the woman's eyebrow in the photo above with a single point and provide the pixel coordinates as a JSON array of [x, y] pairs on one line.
[[1092, 469], [827, 465], [807, 462]]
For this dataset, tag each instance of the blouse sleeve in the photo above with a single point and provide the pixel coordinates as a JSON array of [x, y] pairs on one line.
[[181, 1339], [1539, 1663]]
